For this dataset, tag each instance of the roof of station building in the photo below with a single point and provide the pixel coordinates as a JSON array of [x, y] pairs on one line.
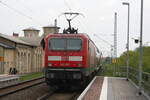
[[31, 41]]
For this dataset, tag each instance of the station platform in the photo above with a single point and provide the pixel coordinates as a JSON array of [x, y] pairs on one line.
[[6, 80], [110, 88]]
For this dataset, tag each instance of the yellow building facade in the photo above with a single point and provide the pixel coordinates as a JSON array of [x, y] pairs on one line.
[[24, 54]]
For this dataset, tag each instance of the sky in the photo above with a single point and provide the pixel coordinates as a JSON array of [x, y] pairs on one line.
[[16, 15]]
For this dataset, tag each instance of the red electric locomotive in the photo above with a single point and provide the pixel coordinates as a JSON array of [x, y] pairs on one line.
[[70, 58]]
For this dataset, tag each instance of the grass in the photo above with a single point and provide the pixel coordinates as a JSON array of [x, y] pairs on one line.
[[110, 71], [107, 70], [31, 76]]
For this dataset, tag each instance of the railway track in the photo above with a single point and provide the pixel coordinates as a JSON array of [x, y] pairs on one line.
[[74, 96], [5, 91], [60, 94], [48, 94]]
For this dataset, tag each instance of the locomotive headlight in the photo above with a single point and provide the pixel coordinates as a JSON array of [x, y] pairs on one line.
[[75, 58], [49, 64]]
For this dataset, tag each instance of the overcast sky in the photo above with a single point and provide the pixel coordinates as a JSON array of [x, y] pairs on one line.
[[98, 18]]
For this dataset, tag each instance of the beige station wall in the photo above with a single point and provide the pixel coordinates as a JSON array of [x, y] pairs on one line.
[[9, 60], [29, 60], [25, 60], [1, 51], [1, 60]]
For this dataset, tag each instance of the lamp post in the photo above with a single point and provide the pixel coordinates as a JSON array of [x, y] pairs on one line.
[[126, 3], [141, 49]]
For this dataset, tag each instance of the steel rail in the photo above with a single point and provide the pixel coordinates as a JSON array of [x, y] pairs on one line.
[[20, 83], [54, 92], [74, 96], [47, 95], [20, 86]]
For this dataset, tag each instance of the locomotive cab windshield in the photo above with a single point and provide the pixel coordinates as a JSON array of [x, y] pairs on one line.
[[74, 44]]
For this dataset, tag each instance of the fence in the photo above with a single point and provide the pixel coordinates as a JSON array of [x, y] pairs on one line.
[[121, 71], [134, 76]]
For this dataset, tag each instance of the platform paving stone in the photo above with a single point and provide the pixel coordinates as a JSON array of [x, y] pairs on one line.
[[120, 89], [94, 91], [6, 80]]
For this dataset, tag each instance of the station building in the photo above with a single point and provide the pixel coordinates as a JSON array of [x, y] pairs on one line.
[[23, 54]]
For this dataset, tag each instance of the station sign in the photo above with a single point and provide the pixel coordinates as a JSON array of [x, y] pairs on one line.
[[114, 61]]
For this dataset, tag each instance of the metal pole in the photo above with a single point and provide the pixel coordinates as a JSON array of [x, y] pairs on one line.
[[115, 43], [115, 36], [141, 49], [55, 23], [111, 51], [128, 43], [125, 3]]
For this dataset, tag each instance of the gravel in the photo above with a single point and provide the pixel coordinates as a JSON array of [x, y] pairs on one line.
[[29, 94]]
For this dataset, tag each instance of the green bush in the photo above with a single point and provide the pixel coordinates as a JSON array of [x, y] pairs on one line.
[[134, 59]]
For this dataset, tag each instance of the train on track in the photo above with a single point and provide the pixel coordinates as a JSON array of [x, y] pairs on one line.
[[70, 58]]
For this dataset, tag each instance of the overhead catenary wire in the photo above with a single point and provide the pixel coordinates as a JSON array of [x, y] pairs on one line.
[[103, 40], [15, 10], [83, 26], [67, 4], [71, 8], [19, 12], [25, 6], [111, 46]]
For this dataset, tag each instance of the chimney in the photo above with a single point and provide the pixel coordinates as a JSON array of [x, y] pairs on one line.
[[31, 32], [50, 30], [15, 34]]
